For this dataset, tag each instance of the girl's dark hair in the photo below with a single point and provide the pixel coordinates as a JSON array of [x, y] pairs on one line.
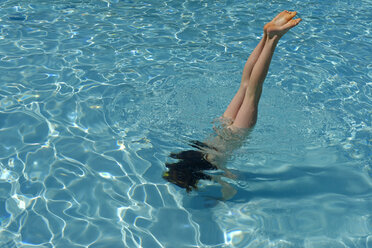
[[188, 170]]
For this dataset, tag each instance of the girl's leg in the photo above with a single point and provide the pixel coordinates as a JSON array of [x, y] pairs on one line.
[[246, 116], [234, 106]]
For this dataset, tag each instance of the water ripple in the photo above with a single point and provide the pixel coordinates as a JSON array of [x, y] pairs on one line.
[[94, 95]]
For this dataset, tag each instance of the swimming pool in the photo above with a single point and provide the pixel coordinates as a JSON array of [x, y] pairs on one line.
[[94, 95]]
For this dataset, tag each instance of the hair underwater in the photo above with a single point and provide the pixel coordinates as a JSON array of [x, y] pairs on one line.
[[188, 170]]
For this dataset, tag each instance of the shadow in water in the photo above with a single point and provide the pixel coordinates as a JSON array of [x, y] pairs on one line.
[[294, 182]]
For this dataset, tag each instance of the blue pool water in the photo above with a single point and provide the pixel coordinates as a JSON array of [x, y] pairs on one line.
[[94, 95]]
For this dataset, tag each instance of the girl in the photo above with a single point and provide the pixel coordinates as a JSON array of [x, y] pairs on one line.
[[239, 117]]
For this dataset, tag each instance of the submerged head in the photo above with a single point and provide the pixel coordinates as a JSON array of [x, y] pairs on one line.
[[187, 172]]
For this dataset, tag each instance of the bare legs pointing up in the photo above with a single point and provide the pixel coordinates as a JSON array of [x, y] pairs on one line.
[[242, 110]]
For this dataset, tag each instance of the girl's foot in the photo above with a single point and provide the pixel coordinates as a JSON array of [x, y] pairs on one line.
[[281, 24]]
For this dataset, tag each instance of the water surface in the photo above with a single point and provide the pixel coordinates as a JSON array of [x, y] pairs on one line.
[[94, 95]]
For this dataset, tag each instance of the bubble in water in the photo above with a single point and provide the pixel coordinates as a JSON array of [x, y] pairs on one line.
[[234, 237]]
